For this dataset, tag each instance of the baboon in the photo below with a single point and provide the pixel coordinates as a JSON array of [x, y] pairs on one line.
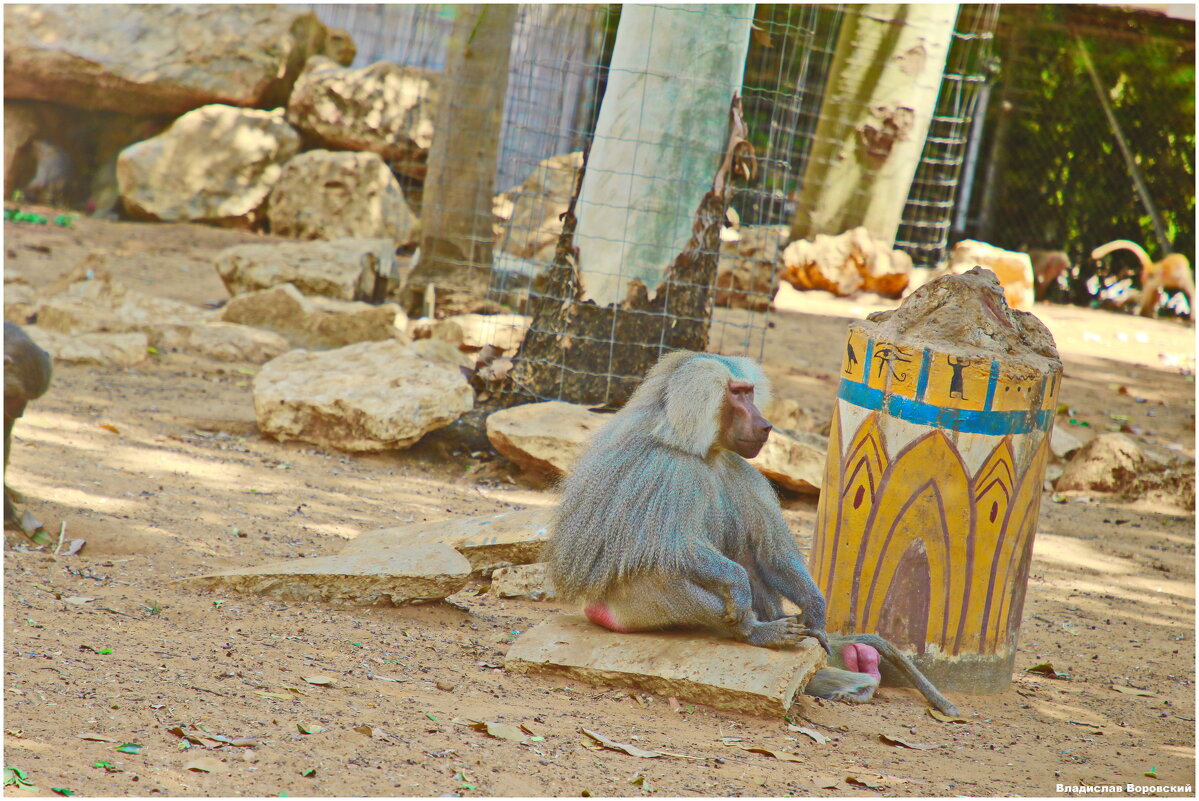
[[26, 376], [1173, 271], [1047, 265], [663, 523]]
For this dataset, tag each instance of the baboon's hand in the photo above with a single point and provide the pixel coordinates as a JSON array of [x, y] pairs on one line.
[[819, 636]]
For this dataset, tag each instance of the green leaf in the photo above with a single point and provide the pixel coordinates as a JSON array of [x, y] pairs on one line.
[[430, 717], [129, 748], [62, 791], [309, 772], [16, 776]]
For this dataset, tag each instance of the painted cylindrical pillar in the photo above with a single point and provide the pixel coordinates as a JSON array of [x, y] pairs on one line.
[[932, 487]]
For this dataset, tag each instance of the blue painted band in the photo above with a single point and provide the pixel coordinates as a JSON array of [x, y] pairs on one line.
[[966, 421]]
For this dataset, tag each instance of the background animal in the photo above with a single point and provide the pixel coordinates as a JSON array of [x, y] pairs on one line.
[[26, 376], [1173, 271]]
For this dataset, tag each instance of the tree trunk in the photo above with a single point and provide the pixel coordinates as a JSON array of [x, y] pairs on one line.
[[660, 133], [657, 184], [882, 90], [456, 217], [578, 351]]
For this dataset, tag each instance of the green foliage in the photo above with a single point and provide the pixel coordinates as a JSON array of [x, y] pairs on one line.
[[1063, 182]]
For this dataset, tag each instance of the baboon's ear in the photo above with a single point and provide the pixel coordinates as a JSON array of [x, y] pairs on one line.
[[695, 394]]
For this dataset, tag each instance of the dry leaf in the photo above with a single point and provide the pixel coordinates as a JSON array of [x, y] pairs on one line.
[[111, 428], [1046, 669], [502, 731], [856, 782], [320, 681], [631, 750], [914, 746], [205, 764], [280, 696], [827, 782], [1120, 688], [99, 737], [780, 755], [194, 739], [75, 547], [937, 714], [78, 599], [366, 730], [241, 742], [313, 729], [815, 735]]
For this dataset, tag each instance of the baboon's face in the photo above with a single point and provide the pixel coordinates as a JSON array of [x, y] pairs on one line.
[[743, 429]]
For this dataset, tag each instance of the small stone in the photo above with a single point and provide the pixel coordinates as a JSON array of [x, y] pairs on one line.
[[523, 581], [694, 668], [404, 574], [1063, 443]]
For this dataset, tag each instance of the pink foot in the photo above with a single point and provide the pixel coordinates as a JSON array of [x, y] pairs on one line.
[[601, 615], [861, 659]]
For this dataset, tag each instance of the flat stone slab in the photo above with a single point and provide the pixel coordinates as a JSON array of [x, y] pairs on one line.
[[701, 668], [408, 574], [508, 538]]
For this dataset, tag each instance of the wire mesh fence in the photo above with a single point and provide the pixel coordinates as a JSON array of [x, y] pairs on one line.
[[1018, 153]]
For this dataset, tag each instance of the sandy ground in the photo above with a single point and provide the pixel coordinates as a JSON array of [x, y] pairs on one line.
[[161, 470]]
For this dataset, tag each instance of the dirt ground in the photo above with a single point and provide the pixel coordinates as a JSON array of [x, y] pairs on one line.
[[161, 470]]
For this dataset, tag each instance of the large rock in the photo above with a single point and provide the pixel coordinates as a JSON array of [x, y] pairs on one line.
[[846, 263], [1011, 267], [721, 673], [745, 274], [490, 542], [345, 269], [224, 341], [105, 305], [530, 212], [316, 322], [384, 108], [372, 396], [108, 349], [397, 575], [794, 460], [544, 439], [158, 59], [215, 164], [1108, 463], [326, 195]]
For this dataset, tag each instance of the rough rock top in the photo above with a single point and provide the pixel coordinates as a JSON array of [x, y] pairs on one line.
[[967, 315]]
